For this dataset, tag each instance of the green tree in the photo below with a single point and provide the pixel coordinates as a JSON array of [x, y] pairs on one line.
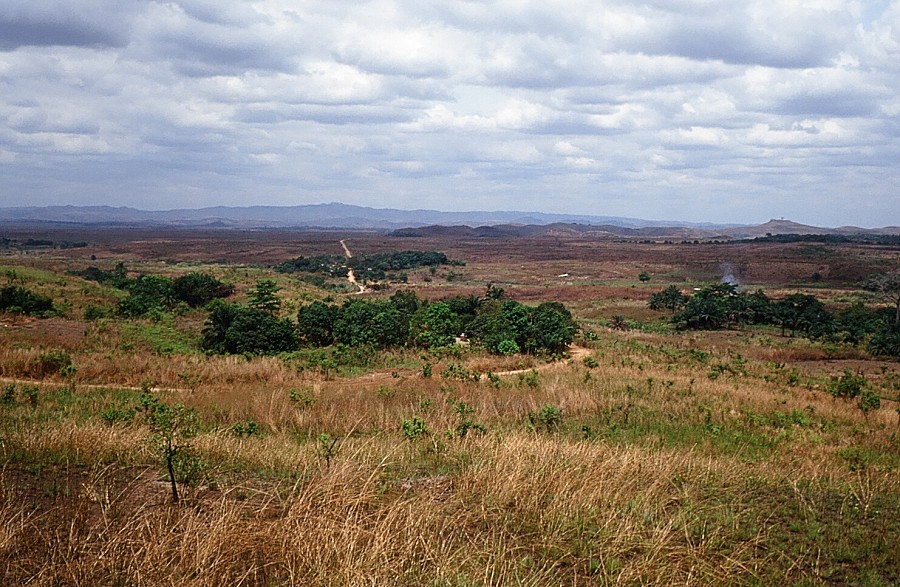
[[198, 289], [670, 298], [236, 329], [708, 309], [353, 323], [854, 323], [435, 326], [171, 427], [803, 313], [147, 293], [264, 296], [498, 321], [315, 323], [551, 328]]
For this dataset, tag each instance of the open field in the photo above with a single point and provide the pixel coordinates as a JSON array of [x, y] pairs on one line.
[[647, 456]]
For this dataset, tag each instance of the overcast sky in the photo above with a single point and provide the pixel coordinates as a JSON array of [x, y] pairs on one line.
[[703, 110]]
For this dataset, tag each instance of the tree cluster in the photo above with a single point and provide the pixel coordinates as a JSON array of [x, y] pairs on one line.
[[148, 293], [374, 267], [725, 306], [499, 325]]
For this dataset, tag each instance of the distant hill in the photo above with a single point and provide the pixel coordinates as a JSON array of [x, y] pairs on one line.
[[333, 215], [410, 223]]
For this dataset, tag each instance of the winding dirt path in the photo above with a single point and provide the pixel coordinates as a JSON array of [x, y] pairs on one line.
[[351, 277]]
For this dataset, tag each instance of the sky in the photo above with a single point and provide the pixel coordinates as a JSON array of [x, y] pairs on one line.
[[705, 110]]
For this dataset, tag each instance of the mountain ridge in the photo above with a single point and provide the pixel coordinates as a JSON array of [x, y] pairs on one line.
[[337, 215]]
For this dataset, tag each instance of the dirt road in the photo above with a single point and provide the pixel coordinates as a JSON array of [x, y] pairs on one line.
[[351, 277]]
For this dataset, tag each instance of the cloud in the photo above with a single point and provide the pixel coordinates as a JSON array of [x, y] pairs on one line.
[[696, 110], [100, 23]]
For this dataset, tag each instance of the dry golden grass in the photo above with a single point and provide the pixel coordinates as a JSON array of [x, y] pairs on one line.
[[688, 459]]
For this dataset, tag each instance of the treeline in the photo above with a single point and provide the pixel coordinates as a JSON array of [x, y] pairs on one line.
[[724, 306], [373, 267], [497, 324], [39, 243], [868, 239], [157, 293], [328, 265]]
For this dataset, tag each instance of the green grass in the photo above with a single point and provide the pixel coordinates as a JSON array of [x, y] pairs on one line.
[[161, 338]]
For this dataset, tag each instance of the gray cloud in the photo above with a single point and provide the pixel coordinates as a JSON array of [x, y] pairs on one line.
[[696, 110]]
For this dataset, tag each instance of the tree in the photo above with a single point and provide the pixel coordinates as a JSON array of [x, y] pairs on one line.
[[644, 277], [264, 296], [236, 329], [147, 293], [551, 328], [171, 428], [198, 289], [353, 324], [498, 321], [315, 323], [435, 326], [887, 285], [711, 308], [802, 312], [670, 298], [854, 323]]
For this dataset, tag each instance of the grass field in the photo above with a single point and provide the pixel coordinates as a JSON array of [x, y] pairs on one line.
[[646, 457]]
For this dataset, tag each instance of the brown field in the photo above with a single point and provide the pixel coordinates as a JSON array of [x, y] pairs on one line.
[[688, 458]]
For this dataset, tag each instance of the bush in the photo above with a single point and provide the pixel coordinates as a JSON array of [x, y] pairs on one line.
[[848, 386], [414, 427], [508, 347], [52, 363], [94, 313], [147, 293], [18, 300], [886, 341], [198, 289], [9, 394], [548, 418]]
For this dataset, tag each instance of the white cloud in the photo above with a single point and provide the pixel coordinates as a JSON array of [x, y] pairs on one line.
[[705, 110]]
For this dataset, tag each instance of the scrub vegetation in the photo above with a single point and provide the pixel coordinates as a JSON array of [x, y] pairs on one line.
[[176, 420]]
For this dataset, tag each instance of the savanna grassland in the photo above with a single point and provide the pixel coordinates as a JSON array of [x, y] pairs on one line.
[[644, 455]]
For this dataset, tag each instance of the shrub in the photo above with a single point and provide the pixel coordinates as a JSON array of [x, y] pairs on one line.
[[547, 418], [9, 394], [171, 429], [94, 313], [850, 385], [245, 428], [414, 427], [31, 392], [18, 300], [146, 294], [115, 414], [198, 289], [327, 447], [886, 341], [301, 396], [868, 401], [508, 347], [52, 363]]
